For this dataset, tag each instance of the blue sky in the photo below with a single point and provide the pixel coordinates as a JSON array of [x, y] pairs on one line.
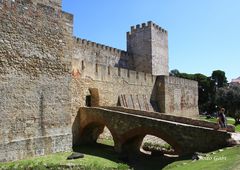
[[204, 35]]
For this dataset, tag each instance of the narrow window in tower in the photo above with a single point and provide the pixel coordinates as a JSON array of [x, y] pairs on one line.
[[96, 66], [83, 65], [109, 71], [119, 71]]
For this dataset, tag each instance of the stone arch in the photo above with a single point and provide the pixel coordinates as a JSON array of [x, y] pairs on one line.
[[91, 131], [105, 137], [131, 140], [155, 146]]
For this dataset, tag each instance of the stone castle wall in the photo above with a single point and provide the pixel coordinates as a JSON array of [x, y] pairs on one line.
[[177, 96], [46, 73], [101, 54], [35, 76], [111, 83]]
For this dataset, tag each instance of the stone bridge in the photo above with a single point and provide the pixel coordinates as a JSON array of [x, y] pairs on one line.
[[129, 127]]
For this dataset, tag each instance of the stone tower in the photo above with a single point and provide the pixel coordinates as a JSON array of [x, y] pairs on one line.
[[148, 43]]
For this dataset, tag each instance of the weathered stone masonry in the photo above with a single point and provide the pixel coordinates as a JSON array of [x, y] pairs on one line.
[[34, 74], [46, 73]]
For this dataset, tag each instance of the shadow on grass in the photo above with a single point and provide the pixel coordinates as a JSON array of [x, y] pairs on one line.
[[137, 161]]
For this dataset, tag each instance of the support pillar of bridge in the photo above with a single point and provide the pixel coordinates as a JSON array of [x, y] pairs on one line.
[[133, 144], [91, 133], [130, 146]]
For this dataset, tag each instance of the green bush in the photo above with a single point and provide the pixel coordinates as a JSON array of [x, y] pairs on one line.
[[156, 146]]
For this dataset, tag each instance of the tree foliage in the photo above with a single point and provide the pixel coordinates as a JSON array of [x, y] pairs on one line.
[[229, 97], [219, 78]]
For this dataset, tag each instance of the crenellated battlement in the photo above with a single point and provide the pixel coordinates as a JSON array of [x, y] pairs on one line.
[[148, 25], [92, 44], [95, 71]]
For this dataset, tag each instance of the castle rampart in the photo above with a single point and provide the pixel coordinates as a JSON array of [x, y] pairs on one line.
[[35, 100], [101, 54], [46, 74], [94, 71], [177, 96]]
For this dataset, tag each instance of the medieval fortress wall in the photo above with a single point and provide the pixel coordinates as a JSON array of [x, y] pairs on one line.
[[46, 73], [98, 53], [34, 74], [177, 96]]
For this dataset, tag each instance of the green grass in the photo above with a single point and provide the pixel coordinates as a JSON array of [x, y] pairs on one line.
[[102, 157], [237, 128], [230, 121], [94, 159], [108, 142], [229, 159], [155, 146]]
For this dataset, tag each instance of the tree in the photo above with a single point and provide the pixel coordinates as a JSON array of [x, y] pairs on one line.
[[229, 97], [174, 72], [203, 91], [219, 78]]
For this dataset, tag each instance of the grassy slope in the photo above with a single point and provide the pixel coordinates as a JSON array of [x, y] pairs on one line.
[[230, 121], [54, 160], [229, 159], [95, 157], [103, 157]]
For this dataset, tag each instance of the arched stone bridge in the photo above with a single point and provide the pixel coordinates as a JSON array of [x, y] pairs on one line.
[[128, 130]]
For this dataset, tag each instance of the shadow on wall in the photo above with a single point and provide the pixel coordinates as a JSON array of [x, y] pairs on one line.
[[76, 131], [154, 99], [126, 61]]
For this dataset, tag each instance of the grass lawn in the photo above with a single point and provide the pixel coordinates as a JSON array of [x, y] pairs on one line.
[[103, 157], [230, 121], [229, 159], [59, 160], [95, 158]]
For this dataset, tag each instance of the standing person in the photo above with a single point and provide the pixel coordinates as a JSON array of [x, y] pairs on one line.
[[222, 119]]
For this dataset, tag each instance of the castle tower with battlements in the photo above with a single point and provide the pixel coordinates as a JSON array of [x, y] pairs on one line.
[[148, 43]]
